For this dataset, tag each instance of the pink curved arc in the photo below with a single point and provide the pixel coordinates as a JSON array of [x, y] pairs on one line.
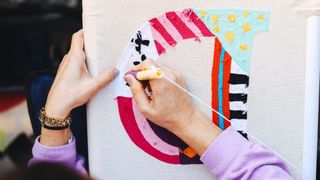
[[150, 135], [125, 107]]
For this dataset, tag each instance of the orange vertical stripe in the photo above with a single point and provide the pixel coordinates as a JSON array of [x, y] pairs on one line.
[[214, 79]]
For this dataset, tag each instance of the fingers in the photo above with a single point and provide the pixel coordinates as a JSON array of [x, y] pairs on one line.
[[76, 54], [77, 42], [139, 95], [106, 77]]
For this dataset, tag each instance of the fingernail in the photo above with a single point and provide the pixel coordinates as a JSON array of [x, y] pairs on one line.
[[128, 79], [115, 73]]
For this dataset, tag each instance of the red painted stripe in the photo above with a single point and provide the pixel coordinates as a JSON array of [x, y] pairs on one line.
[[160, 49], [164, 33], [225, 92], [129, 123], [214, 80], [185, 32], [198, 22]]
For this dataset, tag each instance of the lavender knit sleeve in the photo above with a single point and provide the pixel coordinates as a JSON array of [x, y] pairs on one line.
[[65, 155], [231, 156]]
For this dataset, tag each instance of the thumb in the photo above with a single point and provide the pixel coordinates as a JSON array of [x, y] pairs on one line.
[[139, 94], [106, 77]]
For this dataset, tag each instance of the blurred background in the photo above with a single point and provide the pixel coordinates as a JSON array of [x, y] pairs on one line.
[[34, 36]]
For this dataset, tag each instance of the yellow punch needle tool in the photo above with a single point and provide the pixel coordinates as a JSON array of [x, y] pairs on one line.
[[144, 75]]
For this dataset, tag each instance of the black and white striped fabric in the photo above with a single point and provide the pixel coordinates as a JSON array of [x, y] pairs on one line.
[[238, 95]]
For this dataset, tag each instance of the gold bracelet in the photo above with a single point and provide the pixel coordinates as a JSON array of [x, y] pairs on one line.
[[54, 123]]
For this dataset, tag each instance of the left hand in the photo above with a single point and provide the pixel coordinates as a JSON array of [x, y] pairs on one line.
[[73, 86]]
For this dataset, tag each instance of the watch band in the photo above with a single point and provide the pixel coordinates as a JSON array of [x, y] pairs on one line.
[[54, 123]]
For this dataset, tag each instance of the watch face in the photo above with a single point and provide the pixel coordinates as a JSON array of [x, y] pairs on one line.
[[231, 32]]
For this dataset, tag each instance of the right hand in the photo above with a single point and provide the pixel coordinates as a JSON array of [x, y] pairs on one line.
[[168, 106], [172, 108]]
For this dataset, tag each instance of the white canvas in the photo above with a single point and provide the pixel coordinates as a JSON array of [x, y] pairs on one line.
[[276, 91]]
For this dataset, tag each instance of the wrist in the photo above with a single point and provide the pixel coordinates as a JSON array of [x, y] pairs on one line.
[[199, 133], [54, 138], [57, 110], [184, 124]]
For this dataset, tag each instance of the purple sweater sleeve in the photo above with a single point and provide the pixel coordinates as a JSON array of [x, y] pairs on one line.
[[231, 156], [65, 154]]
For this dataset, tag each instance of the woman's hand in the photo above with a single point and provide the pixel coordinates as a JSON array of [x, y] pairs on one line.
[[172, 108], [73, 86], [168, 106]]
